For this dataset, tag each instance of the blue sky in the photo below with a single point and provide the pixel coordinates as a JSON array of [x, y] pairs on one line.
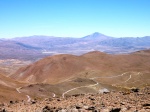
[[74, 18]]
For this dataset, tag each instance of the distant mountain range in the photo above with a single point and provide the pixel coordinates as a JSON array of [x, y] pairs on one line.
[[36, 47]]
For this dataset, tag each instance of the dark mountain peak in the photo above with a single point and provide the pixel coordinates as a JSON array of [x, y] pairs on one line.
[[97, 36]]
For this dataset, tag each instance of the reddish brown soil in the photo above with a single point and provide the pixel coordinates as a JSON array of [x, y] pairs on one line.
[[58, 68]]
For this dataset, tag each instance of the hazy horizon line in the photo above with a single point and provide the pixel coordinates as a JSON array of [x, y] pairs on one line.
[[55, 36]]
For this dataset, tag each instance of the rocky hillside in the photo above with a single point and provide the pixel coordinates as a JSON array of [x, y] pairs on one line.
[[132, 101]]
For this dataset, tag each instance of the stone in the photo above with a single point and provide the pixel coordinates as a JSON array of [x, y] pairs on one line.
[[11, 102], [33, 102], [145, 105], [135, 89], [116, 110], [105, 110], [78, 107], [63, 110], [91, 108], [124, 109], [46, 109], [85, 107]]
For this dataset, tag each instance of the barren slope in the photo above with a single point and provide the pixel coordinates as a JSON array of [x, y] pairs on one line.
[[58, 68], [53, 69], [8, 89]]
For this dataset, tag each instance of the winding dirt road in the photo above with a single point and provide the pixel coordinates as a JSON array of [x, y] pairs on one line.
[[18, 89], [128, 79], [109, 76], [28, 97], [63, 95]]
